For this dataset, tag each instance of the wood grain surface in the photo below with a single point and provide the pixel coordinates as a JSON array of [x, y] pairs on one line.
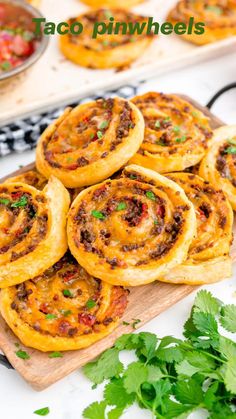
[[145, 303]]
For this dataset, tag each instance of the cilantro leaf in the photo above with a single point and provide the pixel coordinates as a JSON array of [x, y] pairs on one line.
[[185, 369], [149, 341], [90, 304], [154, 373], [42, 412], [127, 341], [205, 323], [107, 366], [115, 413], [121, 206], [189, 392], [55, 354], [22, 354], [23, 201], [95, 411], [229, 375], [104, 124], [116, 395], [135, 375], [175, 410], [169, 354], [4, 201], [50, 316], [98, 214], [227, 348], [151, 195], [206, 303], [228, 317]]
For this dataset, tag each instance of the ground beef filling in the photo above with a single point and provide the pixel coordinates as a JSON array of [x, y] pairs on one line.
[[65, 301]]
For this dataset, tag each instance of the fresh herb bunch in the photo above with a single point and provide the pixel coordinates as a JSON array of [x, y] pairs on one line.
[[173, 377]]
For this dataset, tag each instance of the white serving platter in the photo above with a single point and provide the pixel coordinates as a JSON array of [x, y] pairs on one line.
[[54, 81]]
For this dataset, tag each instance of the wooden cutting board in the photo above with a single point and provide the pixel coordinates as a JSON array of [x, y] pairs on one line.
[[145, 303]]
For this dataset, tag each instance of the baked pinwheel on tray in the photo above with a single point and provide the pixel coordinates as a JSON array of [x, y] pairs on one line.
[[131, 230], [89, 143], [36, 179], [105, 51], [31, 177], [32, 229], [208, 257], [176, 133], [219, 17], [63, 309], [124, 4], [219, 164]]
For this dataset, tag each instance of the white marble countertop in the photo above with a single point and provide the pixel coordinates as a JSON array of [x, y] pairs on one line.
[[70, 396]]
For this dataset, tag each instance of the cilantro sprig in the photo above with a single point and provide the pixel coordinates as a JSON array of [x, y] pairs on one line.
[[172, 377]]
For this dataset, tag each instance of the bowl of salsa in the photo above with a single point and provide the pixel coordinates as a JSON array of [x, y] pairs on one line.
[[20, 47]]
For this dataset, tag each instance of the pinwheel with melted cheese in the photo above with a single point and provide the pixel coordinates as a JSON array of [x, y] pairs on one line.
[[208, 257], [131, 230], [124, 4], [219, 17], [63, 309], [106, 50], [89, 143], [176, 133], [36, 179], [31, 177], [219, 164], [32, 229]]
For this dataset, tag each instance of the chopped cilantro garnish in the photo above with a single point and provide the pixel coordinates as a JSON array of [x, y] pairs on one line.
[[42, 412], [156, 222], [50, 316], [176, 129], [181, 139], [125, 323], [98, 214], [150, 195], [104, 124], [167, 119], [66, 313], [23, 201], [121, 206], [5, 66], [135, 323], [230, 150], [55, 354], [91, 304], [4, 201], [22, 354], [132, 176], [67, 293], [99, 134], [215, 9], [157, 124]]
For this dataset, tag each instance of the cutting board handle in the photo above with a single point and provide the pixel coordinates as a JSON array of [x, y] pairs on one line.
[[4, 361], [220, 92]]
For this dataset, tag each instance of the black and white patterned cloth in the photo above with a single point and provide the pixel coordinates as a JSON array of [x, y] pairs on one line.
[[23, 134]]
